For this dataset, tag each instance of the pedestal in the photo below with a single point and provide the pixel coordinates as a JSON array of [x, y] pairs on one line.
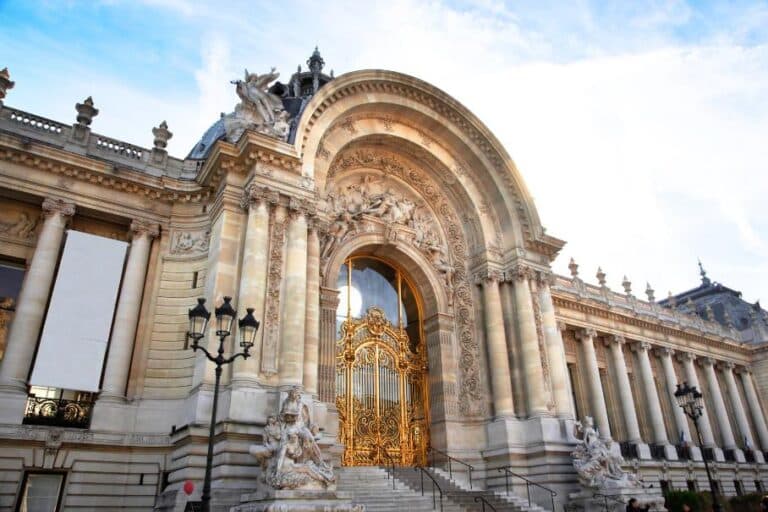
[[614, 500], [297, 501]]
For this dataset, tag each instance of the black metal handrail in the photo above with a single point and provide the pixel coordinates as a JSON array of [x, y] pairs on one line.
[[469, 467], [528, 484], [392, 463], [435, 485], [484, 502]]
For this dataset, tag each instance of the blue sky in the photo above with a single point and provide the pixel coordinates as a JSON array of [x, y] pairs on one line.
[[640, 127]]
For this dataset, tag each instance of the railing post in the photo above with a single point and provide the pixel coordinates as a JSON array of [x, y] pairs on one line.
[[552, 497], [470, 480], [528, 491], [421, 473], [506, 480], [450, 468]]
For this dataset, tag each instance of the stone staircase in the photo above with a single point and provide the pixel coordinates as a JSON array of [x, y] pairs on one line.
[[372, 487]]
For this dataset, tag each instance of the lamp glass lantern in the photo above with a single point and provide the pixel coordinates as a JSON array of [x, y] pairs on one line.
[[248, 326], [225, 316], [198, 320]]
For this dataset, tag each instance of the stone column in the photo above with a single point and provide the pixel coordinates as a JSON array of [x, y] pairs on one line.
[[738, 407], [127, 313], [758, 416], [705, 427], [33, 299], [652, 400], [294, 305], [329, 301], [625, 394], [721, 413], [312, 316], [498, 359], [253, 281], [558, 369], [535, 391], [596, 397], [681, 420]]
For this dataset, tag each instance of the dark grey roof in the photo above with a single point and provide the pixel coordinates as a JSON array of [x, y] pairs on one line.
[[209, 138], [725, 306]]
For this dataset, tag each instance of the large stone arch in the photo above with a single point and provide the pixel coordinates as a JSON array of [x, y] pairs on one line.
[[470, 149]]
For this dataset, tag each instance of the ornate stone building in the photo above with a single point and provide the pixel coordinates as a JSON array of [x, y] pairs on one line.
[[394, 256]]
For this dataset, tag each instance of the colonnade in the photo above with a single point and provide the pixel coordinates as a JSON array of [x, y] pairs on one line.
[[713, 372]]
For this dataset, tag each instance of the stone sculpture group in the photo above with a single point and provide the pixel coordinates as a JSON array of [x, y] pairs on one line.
[[258, 110]]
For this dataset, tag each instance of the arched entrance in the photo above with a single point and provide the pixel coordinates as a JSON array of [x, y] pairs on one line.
[[381, 365]]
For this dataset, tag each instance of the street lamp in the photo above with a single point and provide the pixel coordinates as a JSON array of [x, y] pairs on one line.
[[198, 323], [692, 402]]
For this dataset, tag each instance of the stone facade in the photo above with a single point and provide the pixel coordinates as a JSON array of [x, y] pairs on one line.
[[369, 163]]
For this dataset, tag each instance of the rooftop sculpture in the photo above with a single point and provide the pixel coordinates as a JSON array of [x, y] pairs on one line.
[[259, 109]]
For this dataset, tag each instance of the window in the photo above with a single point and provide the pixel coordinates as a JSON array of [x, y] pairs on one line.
[[759, 487], [691, 485], [572, 379], [41, 492], [739, 487], [665, 487]]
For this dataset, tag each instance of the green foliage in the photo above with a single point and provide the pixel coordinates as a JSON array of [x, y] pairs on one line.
[[746, 503], [676, 499]]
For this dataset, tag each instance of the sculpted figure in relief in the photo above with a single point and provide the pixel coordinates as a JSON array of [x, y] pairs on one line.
[[290, 456], [258, 109], [596, 466], [22, 226]]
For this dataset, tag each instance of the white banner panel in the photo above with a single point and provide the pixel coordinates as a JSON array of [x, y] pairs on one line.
[[76, 330]]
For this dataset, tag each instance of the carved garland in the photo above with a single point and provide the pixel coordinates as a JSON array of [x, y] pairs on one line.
[[472, 401], [543, 353], [274, 278]]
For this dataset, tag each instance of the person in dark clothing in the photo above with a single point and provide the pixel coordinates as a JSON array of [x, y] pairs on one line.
[[634, 506], [764, 504]]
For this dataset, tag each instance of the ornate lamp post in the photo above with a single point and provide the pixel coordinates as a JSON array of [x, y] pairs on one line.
[[198, 323], [692, 402]]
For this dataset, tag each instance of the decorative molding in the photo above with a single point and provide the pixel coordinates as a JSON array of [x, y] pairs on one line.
[[18, 225], [271, 338]]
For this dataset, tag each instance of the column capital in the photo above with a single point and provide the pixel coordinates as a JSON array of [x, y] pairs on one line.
[[144, 228], [255, 194], [742, 370], [488, 276], [586, 334], [519, 272], [665, 351], [706, 361], [727, 365], [643, 346], [686, 356], [545, 277], [60, 206], [301, 207], [561, 325]]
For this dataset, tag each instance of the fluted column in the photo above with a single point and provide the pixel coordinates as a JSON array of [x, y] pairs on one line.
[[738, 407], [31, 305], [705, 427], [596, 397], [498, 359], [312, 325], [253, 280], [558, 369], [535, 392], [681, 420], [127, 313], [721, 413], [758, 416], [292, 321], [625, 390], [651, 394]]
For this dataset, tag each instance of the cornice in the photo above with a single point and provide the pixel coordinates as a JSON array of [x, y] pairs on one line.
[[96, 171], [590, 309]]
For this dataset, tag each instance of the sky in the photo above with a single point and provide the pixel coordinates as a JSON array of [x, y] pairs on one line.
[[640, 128]]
